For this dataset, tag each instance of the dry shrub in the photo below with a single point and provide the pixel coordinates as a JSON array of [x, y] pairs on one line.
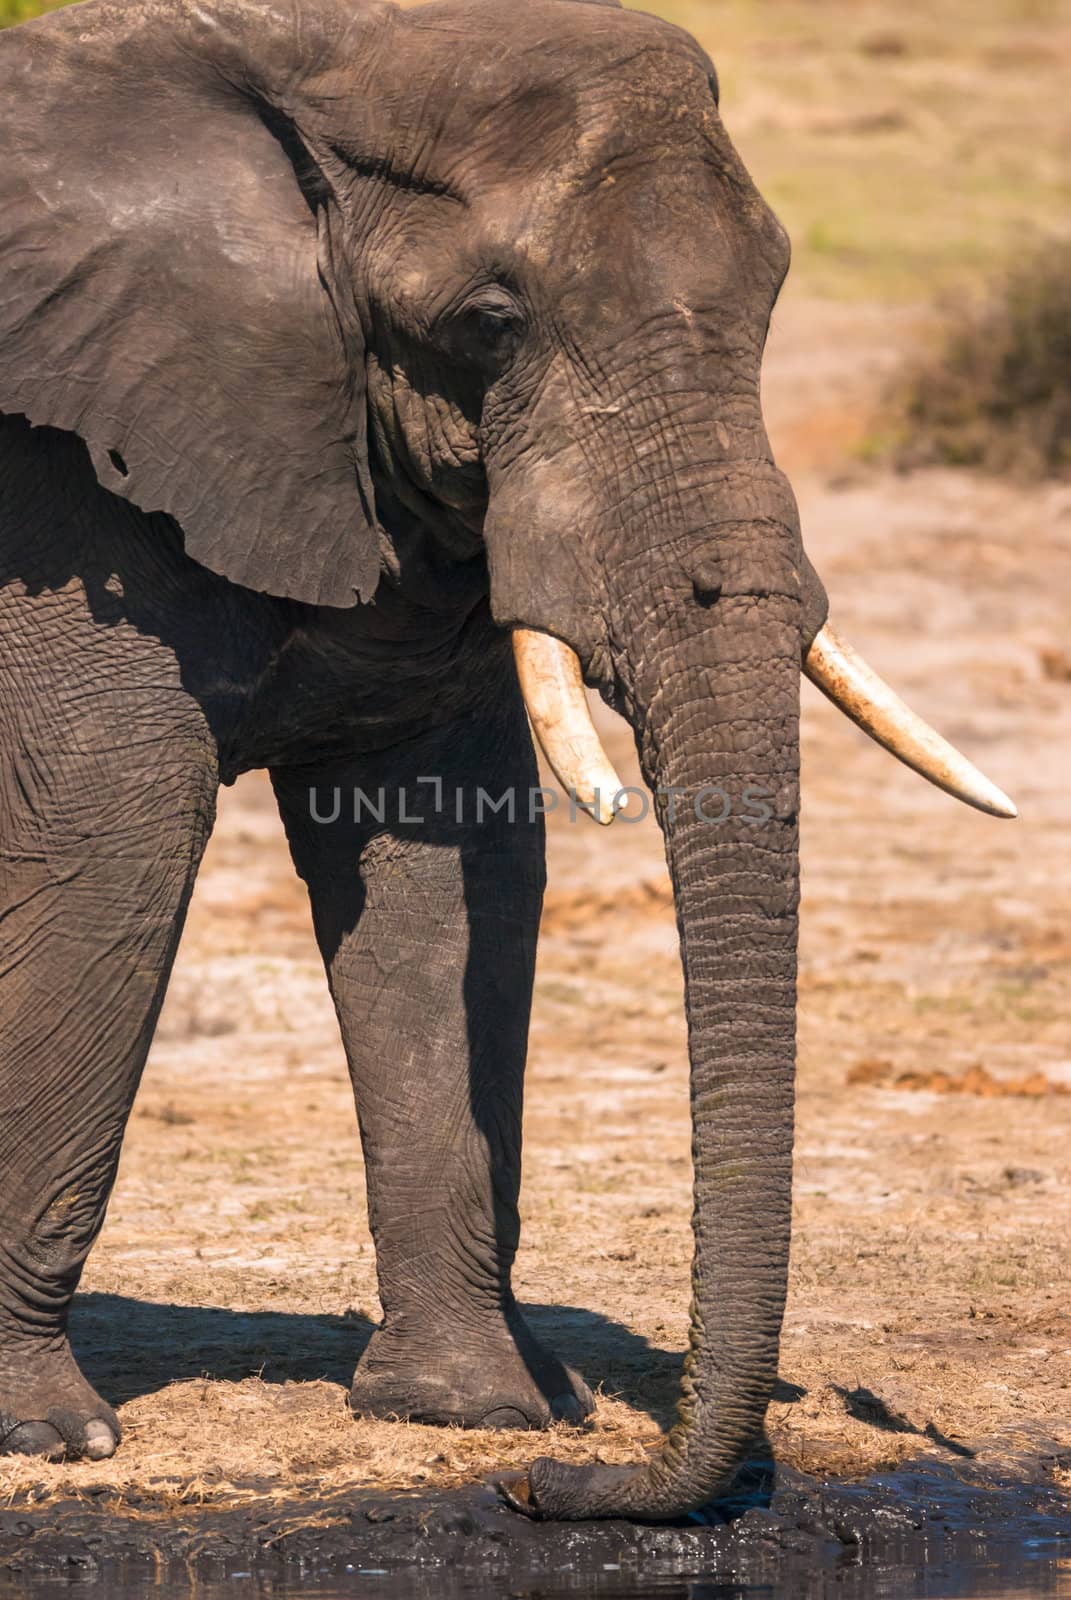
[[996, 393]]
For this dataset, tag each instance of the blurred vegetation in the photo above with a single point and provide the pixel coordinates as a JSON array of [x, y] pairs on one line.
[[22, 10], [910, 148], [996, 392]]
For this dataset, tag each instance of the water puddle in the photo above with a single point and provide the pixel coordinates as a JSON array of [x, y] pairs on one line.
[[934, 1528], [1008, 1576]]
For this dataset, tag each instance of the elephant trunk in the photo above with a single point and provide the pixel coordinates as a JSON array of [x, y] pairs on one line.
[[709, 634], [715, 693]]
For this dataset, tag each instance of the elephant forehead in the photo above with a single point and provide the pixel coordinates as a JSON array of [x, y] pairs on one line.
[[506, 87]]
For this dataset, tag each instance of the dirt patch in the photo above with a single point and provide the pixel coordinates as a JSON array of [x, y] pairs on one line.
[[1056, 665], [973, 1080], [570, 911]]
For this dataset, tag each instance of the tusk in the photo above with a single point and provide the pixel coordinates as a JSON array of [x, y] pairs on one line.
[[857, 690], [554, 698]]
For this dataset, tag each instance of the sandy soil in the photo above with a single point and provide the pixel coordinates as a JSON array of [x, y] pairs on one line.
[[233, 1286]]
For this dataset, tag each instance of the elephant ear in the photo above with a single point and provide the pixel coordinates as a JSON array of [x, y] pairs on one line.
[[166, 282]]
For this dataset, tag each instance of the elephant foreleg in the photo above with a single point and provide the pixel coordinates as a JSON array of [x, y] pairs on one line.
[[105, 805], [428, 929]]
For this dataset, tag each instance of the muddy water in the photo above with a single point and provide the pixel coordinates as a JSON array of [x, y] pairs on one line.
[[930, 1529], [1016, 1572]]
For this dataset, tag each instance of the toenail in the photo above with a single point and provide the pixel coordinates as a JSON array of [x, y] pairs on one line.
[[505, 1417], [100, 1441], [35, 1439]]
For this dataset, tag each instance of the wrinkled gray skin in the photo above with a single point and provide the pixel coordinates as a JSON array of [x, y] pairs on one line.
[[351, 337]]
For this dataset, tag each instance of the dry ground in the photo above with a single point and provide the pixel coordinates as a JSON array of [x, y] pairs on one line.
[[234, 1284]]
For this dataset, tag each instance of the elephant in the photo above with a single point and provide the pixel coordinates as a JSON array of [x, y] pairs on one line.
[[372, 380]]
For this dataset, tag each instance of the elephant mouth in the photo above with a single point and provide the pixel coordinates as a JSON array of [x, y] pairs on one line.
[[552, 684]]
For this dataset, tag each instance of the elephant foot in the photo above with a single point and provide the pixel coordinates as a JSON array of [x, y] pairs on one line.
[[500, 1377], [48, 1409]]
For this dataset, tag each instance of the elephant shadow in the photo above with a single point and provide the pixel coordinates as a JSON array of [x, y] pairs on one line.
[[128, 1348]]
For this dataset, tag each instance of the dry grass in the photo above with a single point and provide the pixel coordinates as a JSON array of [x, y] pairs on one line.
[[209, 1441]]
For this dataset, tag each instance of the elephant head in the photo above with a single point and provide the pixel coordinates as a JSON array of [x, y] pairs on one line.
[[306, 274]]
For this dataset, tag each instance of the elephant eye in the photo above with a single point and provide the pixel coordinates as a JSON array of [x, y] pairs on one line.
[[496, 325], [496, 322]]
